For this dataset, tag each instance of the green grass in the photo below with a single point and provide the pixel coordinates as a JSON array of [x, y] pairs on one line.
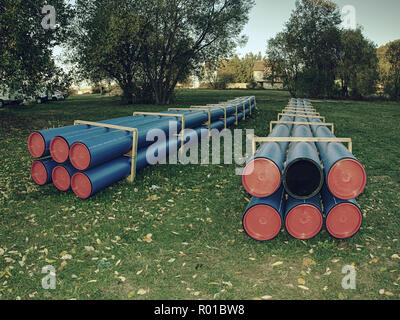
[[198, 249]]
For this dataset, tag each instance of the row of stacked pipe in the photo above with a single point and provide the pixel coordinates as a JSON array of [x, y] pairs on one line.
[[88, 159], [303, 186]]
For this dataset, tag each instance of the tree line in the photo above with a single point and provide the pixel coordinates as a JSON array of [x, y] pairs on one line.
[[146, 47], [315, 57], [219, 73]]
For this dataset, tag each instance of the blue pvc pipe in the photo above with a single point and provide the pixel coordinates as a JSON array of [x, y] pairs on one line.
[[331, 154], [343, 218], [71, 138], [108, 173], [112, 145], [303, 175], [41, 170], [62, 178], [262, 176], [49, 134], [263, 217], [303, 218]]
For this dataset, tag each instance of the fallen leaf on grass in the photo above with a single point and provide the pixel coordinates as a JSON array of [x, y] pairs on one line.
[[327, 272], [277, 264], [303, 287], [301, 281], [63, 264], [266, 297], [141, 292], [307, 262], [148, 238], [396, 256]]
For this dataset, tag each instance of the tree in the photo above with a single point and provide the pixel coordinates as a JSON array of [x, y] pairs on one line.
[[308, 48], [217, 74], [26, 60], [154, 43], [107, 44], [392, 83], [358, 65]]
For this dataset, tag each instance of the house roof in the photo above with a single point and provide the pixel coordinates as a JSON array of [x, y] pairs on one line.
[[259, 66]]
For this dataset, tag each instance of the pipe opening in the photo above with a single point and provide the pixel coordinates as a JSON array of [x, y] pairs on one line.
[[303, 179]]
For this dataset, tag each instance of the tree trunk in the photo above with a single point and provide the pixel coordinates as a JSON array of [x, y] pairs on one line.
[[127, 95]]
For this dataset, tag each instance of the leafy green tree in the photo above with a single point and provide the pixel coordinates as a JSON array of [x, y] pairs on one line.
[[26, 60], [307, 49], [358, 68], [234, 70], [154, 44], [392, 85], [107, 44]]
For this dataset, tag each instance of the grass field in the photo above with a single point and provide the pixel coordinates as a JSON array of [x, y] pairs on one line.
[[197, 249]]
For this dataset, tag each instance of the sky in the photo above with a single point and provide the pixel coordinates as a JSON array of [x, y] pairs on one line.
[[379, 18]]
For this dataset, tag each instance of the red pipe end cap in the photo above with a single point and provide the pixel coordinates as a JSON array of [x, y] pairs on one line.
[[79, 156], [304, 222], [39, 173], [61, 178], [347, 179], [262, 222], [261, 177], [36, 145], [344, 221], [59, 150], [81, 185]]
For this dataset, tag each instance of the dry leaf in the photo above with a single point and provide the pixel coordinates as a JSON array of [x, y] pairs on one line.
[[307, 262], [303, 287], [277, 264], [141, 292], [301, 281], [148, 238]]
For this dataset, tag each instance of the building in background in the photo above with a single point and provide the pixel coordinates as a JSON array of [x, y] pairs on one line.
[[260, 75]]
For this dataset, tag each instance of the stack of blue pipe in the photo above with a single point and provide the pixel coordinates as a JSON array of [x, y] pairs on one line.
[[106, 162], [313, 201]]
